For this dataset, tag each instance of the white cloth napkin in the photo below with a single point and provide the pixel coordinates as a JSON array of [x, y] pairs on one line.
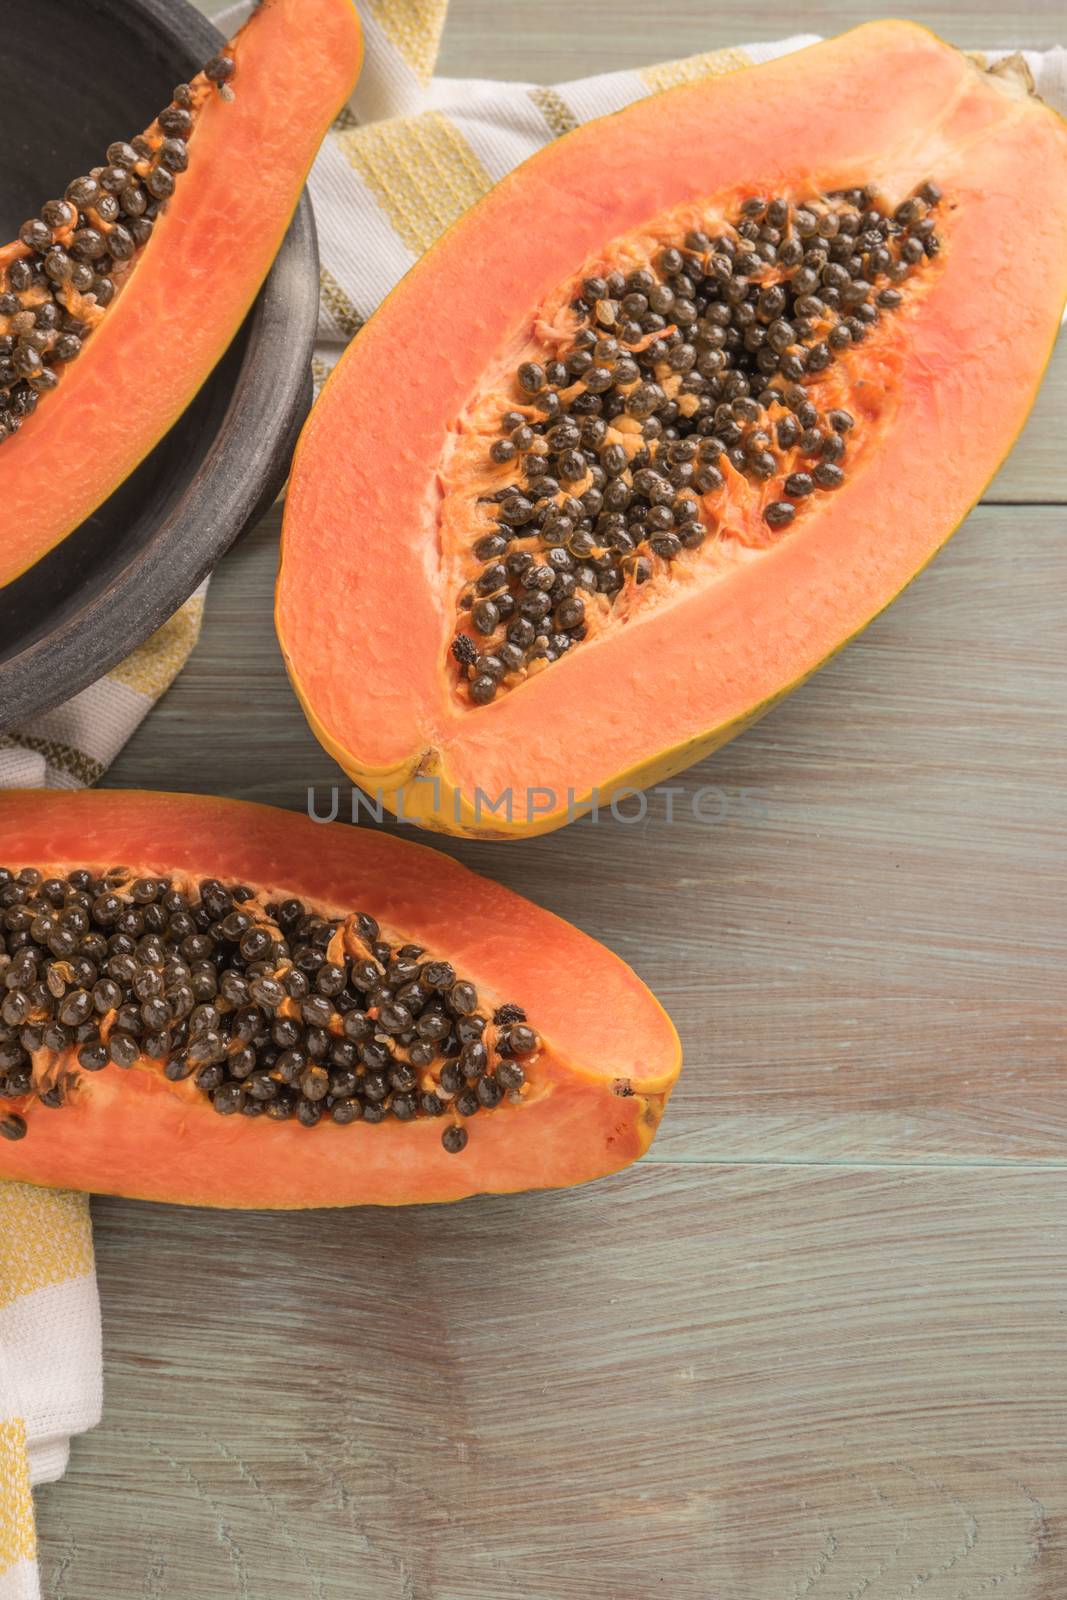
[[50, 1369], [409, 155]]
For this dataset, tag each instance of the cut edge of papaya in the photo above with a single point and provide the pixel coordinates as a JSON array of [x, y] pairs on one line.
[[609, 1058]]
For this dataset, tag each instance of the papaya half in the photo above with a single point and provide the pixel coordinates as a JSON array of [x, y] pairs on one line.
[[254, 1009], [665, 420], [149, 263]]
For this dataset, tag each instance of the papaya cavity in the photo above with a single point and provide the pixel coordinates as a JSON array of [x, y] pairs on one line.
[[272, 1009], [696, 388]]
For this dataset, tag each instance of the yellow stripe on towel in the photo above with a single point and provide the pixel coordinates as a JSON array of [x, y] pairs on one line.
[[421, 171], [45, 1238], [413, 28], [17, 1540], [711, 64]]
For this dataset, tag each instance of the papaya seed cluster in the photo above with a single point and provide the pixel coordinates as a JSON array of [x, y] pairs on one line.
[[77, 252], [682, 378], [270, 1009]]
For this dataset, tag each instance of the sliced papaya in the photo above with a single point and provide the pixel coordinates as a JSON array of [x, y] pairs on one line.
[[222, 1004], [664, 421], [117, 300]]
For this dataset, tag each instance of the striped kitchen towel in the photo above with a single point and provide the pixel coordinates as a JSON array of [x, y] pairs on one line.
[[49, 1359], [50, 1362], [50, 1365]]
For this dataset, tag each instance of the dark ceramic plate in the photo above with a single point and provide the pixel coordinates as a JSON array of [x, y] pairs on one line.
[[74, 76]]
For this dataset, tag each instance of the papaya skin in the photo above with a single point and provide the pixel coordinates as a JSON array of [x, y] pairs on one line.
[[297, 61], [597, 1090], [766, 630]]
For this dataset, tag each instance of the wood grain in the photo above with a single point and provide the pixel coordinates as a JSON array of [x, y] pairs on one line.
[[712, 1384], [811, 1347], [559, 39]]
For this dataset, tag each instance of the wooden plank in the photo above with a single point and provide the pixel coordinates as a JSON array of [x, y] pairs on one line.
[[864, 943], [559, 39], [1036, 469], [714, 1385]]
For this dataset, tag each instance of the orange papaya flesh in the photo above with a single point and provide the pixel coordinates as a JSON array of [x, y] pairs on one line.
[[386, 497], [587, 1101], [174, 299]]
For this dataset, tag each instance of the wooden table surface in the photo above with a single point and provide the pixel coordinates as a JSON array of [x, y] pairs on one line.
[[814, 1344]]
